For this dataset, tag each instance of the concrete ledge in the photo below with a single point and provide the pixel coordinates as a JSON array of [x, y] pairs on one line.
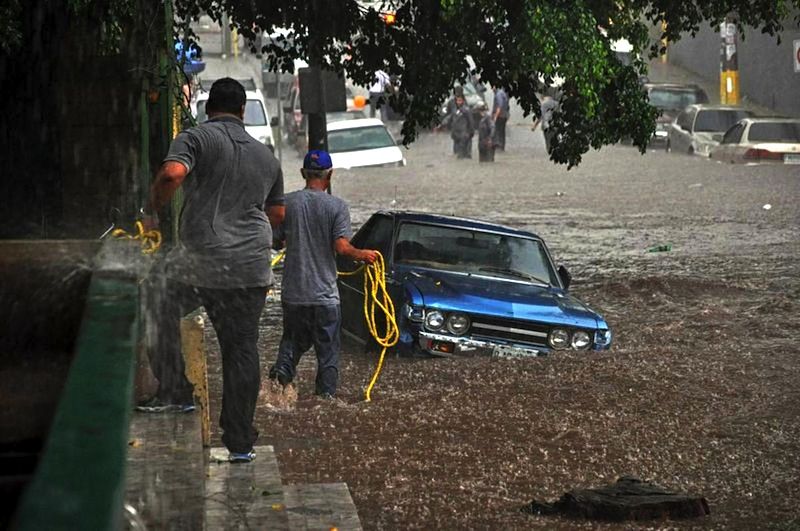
[[244, 495], [321, 506]]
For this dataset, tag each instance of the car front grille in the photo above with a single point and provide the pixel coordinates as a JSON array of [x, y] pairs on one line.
[[509, 330]]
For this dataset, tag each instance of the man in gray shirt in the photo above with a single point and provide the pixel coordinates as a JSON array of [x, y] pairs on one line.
[[233, 190], [316, 229]]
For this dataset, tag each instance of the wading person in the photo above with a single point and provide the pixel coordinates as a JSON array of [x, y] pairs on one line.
[[315, 230], [233, 189], [500, 111], [459, 120], [547, 106], [486, 135]]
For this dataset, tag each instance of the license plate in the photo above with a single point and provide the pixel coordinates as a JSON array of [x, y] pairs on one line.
[[791, 158], [506, 351]]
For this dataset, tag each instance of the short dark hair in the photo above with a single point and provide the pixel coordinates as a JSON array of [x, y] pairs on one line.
[[227, 95]]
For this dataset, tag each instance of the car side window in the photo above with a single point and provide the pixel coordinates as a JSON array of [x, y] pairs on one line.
[[734, 134], [376, 234], [683, 120]]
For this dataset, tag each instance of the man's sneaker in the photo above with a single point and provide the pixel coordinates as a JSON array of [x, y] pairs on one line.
[[235, 457], [155, 405]]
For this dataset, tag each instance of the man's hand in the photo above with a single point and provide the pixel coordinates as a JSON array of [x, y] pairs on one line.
[[369, 256]]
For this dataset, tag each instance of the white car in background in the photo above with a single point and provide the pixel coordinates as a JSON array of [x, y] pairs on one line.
[[257, 122], [698, 128], [364, 142], [760, 140]]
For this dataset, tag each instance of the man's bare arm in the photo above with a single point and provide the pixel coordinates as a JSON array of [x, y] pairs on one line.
[[344, 247], [169, 178]]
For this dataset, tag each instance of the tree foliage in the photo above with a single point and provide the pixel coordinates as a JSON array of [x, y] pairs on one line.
[[521, 45]]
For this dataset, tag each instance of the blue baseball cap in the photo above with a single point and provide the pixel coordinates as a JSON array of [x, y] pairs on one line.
[[316, 159]]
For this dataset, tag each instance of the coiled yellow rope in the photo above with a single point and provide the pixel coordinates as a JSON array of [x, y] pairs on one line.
[[376, 297], [376, 300], [150, 240]]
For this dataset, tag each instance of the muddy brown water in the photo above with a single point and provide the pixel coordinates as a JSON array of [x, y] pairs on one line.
[[699, 392]]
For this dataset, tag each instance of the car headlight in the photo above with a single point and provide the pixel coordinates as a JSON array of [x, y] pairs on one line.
[[558, 338], [602, 338], [414, 313], [434, 320], [581, 340], [457, 323]]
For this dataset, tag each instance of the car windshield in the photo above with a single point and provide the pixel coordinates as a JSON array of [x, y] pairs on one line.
[[674, 99], [253, 112], [781, 132], [359, 138], [473, 251], [717, 120]]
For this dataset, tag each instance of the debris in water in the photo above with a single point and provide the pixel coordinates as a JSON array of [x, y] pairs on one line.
[[627, 499], [660, 248]]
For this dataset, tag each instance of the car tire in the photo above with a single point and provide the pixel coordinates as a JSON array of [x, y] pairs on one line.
[[691, 150]]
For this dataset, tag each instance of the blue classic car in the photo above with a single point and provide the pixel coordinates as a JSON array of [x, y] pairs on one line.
[[462, 286]]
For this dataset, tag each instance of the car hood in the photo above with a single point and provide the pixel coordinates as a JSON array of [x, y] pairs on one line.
[[497, 297], [367, 157]]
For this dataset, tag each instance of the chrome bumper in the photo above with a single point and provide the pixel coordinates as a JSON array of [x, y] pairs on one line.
[[466, 345]]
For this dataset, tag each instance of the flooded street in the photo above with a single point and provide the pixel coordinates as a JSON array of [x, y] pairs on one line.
[[699, 392]]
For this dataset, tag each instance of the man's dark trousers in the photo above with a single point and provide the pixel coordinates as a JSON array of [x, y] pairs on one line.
[[304, 326], [500, 132], [235, 314], [463, 147]]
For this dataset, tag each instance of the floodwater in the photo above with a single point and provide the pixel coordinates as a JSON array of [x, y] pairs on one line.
[[699, 392]]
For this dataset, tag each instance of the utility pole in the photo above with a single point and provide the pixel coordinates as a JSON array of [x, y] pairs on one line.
[[728, 63]]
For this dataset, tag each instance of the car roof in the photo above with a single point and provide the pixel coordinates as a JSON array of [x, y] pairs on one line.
[[455, 221], [355, 124], [676, 86], [247, 83], [250, 94], [716, 107], [770, 119]]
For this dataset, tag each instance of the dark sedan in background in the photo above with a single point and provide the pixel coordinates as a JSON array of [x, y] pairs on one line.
[[463, 286], [671, 99]]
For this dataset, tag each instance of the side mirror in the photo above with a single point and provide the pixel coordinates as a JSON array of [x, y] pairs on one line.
[[566, 278], [273, 122]]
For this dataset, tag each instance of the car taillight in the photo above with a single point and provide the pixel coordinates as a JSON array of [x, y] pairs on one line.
[[762, 154]]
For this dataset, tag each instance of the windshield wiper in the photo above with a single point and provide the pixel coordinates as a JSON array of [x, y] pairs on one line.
[[514, 273]]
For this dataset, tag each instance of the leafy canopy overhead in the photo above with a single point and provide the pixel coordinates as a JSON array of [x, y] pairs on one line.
[[523, 46]]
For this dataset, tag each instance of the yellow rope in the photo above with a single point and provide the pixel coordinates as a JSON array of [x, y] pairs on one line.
[[278, 258], [150, 240], [376, 296]]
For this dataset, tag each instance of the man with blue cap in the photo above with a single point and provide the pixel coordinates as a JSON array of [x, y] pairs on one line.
[[316, 228]]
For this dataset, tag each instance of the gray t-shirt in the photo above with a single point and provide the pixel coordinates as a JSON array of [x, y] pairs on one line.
[[225, 234], [314, 221]]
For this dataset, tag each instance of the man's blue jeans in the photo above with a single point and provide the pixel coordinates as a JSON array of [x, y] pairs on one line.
[[304, 326]]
